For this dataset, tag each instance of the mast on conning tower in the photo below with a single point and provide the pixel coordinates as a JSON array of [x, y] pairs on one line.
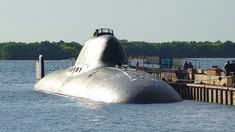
[[103, 31]]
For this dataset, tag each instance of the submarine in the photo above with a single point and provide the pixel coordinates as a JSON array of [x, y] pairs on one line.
[[101, 73]]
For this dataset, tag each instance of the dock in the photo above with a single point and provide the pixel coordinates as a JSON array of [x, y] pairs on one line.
[[206, 85], [205, 93]]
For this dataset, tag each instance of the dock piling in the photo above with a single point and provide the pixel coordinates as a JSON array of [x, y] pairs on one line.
[[40, 68]]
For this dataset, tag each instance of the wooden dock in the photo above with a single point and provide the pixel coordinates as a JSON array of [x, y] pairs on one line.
[[205, 93]]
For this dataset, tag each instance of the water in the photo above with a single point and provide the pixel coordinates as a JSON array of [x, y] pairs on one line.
[[24, 110]]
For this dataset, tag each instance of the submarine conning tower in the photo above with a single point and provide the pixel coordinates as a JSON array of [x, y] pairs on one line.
[[103, 49]]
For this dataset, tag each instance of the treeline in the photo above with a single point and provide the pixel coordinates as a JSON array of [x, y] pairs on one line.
[[31, 51], [181, 49], [63, 50]]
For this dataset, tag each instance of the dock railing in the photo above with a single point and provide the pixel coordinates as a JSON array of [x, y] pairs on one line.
[[61, 64]]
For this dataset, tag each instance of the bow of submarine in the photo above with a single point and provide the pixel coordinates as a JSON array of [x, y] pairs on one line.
[[139, 87], [154, 92], [130, 86]]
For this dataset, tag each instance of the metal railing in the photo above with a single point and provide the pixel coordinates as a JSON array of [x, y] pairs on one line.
[[61, 64]]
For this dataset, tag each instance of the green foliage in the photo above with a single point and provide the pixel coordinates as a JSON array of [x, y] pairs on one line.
[[31, 51], [63, 50], [180, 49]]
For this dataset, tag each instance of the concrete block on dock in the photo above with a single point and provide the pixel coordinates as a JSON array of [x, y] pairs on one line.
[[222, 80], [214, 80], [201, 78], [169, 76]]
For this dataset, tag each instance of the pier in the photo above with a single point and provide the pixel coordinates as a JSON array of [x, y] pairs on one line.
[[211, 85], [205, 93]]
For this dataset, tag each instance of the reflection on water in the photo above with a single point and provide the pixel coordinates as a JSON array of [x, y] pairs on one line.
[[23, 109]]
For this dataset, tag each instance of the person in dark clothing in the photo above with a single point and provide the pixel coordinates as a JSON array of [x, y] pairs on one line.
[[227, 68], [137, 65], [190, 65], [232, 67], [186, 65]]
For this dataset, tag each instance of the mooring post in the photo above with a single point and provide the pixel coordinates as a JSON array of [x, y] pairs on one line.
[[204, 94], [40, 68], [186, 92], [197, 93], [209, 95], [221, 96], [194, 93], [226, 97], [200, 94], [231, 98], [212, 96], [190, 93], [182, 92]]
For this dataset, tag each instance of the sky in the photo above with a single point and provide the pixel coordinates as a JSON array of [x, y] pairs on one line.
[[133, 20]]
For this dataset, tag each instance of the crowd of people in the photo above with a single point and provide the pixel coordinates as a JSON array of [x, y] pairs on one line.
[[230, 68]]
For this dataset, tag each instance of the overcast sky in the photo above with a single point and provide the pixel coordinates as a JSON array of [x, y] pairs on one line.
[[134, 20]]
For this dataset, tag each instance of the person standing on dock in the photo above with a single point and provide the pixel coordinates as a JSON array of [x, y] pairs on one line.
[[137, 65], [186, 65], [190, 65], [232, 67], [227, 68]]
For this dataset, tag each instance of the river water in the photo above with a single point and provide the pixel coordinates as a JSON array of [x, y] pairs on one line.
[[24, 110]]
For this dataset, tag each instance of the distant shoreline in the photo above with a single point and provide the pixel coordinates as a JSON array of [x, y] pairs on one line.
[[232, 58], [63, 50]]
